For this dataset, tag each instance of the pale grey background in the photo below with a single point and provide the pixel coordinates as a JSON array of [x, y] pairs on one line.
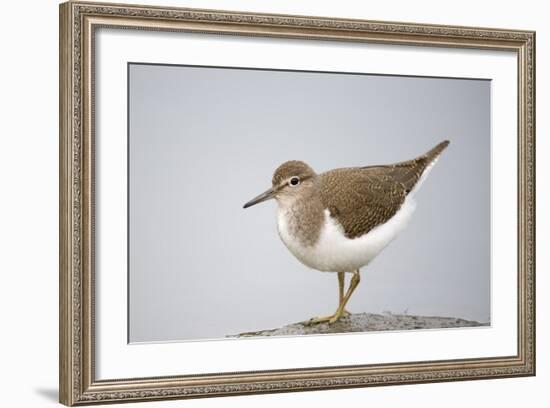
[[203, 141]]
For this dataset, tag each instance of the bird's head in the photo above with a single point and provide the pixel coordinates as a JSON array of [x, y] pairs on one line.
[[290, 180]]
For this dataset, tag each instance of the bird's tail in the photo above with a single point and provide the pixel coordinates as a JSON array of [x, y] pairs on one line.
[[426, 162], [434, 153]]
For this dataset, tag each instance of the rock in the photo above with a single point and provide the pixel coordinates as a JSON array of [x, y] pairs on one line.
[[365, 322]]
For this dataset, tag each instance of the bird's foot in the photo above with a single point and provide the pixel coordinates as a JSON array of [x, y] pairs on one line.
[[327, 319], [317, 320]]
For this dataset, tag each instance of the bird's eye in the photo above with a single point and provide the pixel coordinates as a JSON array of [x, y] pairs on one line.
[[294, 181]]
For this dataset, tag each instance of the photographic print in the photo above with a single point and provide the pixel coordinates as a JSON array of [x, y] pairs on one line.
[[376, 214]]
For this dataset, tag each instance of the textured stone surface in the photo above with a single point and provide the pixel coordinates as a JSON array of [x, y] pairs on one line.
[[364, 322]]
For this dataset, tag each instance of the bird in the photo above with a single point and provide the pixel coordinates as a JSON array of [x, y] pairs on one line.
[[340, 220]]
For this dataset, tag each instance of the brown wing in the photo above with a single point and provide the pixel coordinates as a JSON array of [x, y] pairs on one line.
[[363, 197], [360, 199], [409, 172]]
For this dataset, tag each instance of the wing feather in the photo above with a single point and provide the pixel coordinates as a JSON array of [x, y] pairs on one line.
[[361, 198]]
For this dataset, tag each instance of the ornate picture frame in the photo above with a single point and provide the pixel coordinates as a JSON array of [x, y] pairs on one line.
[[79, 22]]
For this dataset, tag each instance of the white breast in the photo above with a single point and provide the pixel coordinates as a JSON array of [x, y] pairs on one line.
[[334, 252]]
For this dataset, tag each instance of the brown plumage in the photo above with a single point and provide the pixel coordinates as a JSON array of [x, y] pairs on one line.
[[289, 169], [363, 197]]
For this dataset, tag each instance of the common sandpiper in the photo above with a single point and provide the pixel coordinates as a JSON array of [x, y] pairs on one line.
[[340, 220]]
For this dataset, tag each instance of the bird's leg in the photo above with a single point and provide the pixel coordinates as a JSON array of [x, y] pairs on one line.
[[341, 311], [355, 279], [341, 284]]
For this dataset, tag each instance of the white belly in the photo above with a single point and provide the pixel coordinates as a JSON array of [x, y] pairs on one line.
[[334, 252]]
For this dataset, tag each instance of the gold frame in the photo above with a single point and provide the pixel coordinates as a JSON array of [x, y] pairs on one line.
[[78, 20]]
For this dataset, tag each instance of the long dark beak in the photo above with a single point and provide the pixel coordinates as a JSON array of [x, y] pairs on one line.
[[266, 195]]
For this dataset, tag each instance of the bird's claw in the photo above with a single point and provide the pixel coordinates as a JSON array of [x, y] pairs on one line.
[[317, 320], [326, 319]]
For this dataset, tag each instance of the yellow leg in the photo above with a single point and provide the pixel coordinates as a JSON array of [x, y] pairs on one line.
[[341, 311], [341, 284], [356, 278]]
